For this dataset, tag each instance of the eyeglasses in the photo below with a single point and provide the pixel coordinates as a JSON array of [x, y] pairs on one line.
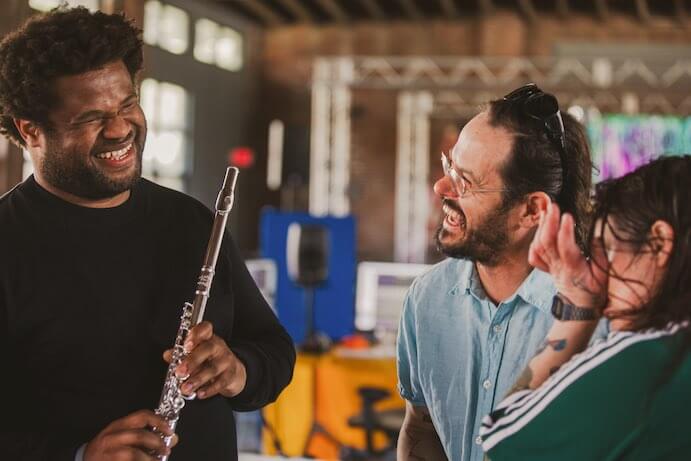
[[461, 185], [543, 107]]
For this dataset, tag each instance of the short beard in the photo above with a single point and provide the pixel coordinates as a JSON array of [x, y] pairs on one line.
[[68, 172], [485, 244]]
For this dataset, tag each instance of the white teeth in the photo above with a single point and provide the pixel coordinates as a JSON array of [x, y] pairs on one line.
[[453, 215], [116, 154]]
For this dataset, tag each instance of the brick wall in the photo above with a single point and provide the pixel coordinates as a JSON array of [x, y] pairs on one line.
[[289, 52]]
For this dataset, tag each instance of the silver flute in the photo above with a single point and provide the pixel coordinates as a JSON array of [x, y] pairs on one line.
[[172, 401]]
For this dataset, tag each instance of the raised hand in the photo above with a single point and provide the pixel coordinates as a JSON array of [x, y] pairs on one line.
[[582, 281]]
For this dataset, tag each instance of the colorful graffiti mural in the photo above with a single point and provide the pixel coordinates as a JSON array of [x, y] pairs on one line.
[[621, 143]]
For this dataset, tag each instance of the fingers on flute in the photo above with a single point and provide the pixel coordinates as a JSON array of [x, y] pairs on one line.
[[142, 439], [212, 388], [198, 334], [141, 419], [196, 359], [217, 363]]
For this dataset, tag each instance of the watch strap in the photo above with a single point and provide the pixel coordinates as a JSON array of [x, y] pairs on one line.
[[563, 309]]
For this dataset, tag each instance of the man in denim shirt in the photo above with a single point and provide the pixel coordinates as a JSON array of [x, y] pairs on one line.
[[473, 321]]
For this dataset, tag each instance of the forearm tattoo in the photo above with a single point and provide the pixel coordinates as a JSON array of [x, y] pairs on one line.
[[422, 439], [523, 382], [414, 442], [526, 377], [555, 344]]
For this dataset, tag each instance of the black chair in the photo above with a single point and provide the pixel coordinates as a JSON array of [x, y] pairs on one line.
[[388, 422]]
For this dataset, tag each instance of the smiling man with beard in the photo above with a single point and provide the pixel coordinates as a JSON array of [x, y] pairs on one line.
[[473, 321], [96, 264]]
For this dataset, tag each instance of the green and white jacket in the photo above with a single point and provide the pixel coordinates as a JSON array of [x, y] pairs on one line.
[[627, 397]]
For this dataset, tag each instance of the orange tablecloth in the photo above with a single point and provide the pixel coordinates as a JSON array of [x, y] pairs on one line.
[[337, 380]]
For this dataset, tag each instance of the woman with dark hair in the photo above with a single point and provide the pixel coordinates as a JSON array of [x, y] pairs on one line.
[[629, 396]]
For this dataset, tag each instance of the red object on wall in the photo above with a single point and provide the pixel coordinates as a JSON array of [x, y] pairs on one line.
[[241, 157]]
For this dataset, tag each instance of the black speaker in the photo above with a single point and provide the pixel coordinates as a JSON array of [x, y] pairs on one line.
[[307, 254]]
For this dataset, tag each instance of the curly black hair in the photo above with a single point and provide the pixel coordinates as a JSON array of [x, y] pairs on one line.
[[65, 41]]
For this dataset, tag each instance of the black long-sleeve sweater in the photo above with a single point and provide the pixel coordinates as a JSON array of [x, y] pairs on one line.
[[90, 299]]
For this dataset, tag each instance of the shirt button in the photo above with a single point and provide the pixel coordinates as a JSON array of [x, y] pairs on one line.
[[487, 384], [478, 440], [497, 328]]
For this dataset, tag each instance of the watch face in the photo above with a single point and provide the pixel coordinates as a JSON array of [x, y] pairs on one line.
[[562, 310], [557, 307]]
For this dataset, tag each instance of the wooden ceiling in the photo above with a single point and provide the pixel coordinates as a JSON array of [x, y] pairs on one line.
[[274, 13]]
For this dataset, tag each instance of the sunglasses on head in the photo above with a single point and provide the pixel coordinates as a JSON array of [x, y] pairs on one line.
[[543, 107]]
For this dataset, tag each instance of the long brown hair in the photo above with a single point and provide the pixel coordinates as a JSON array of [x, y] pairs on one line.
[[659, 190], [629, 206]]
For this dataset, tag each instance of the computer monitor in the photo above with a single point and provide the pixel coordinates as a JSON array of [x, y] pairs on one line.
[[265, 275], [248, 425], [380, 292]]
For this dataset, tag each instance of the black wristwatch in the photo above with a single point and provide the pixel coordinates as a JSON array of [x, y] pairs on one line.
[[563, 309]]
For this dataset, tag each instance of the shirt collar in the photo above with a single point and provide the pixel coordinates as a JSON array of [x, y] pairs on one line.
[[459, 271], [537, 289], [465, 277], [467, 280]]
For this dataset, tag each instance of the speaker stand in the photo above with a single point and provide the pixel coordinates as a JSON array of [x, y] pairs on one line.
[[315, 341]]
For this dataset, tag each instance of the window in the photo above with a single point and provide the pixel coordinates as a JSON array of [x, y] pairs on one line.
[[218, 45], [47, 5], [167, 157], [166, 26]]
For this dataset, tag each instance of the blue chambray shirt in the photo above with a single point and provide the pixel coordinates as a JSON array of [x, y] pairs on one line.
[[459, 354]]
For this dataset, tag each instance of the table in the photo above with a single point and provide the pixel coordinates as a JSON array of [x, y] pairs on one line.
[[330, 381]]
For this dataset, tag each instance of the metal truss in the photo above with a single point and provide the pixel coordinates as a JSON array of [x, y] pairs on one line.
[[412, 174], [455, 87], [457, 104], [663, 73], [330, 138]]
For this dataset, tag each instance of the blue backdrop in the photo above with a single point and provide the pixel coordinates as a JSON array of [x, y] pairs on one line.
[[334, 300]]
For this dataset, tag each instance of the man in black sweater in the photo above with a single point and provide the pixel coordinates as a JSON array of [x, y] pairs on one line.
[[96, 263]]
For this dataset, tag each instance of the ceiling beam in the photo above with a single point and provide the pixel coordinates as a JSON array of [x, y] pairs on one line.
[[563, 9], [412, 11], [334, 10], [297, 9], [680, 12], [449, 8], [486, 7], [643, 10], [602, 9], [373, 9], [528, 10], [267, 16]]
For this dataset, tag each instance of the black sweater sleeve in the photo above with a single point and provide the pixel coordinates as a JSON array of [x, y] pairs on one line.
[[35, 446], [258, 340]]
